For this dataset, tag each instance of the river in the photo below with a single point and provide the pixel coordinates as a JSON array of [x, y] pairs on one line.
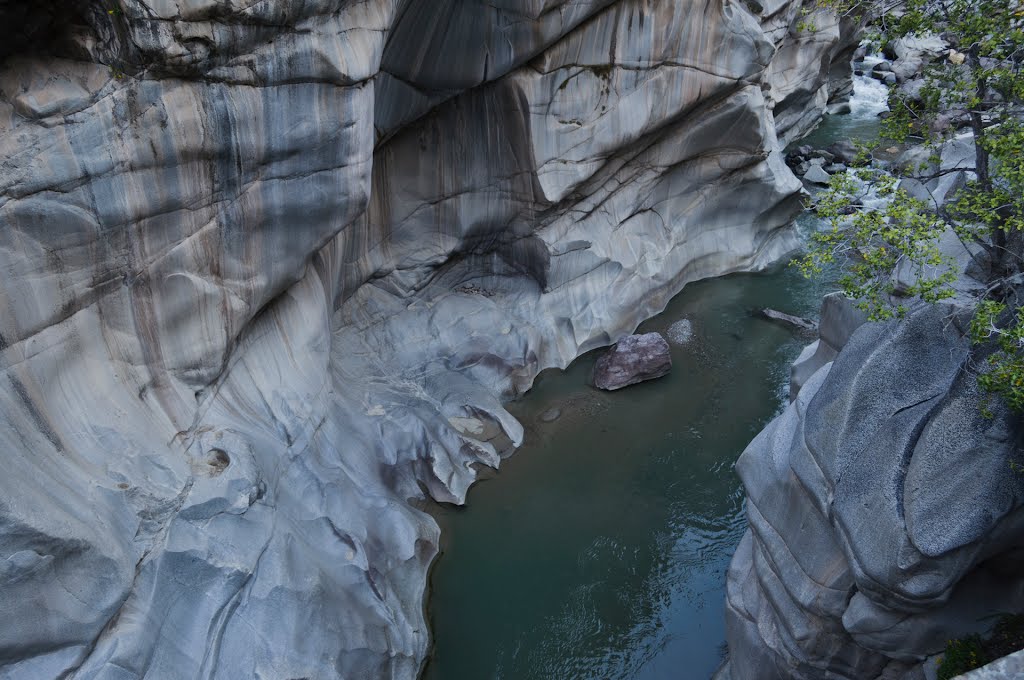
[[600, 548]]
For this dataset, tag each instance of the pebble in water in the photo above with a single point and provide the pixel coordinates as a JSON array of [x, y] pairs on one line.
[[551, 415]]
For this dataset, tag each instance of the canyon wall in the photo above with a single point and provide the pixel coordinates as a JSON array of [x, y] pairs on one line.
[[269, 270], [885, 506]]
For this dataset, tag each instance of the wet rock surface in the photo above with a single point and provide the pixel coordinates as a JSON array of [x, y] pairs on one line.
[[633, 359]]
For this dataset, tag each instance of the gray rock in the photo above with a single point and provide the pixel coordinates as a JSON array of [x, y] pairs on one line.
[[790, 321], [550, 415], [834, 168], [270, 270], [816, 175], [940, 181], [884, 516], [913, 89], [844, 151], [633, 359]]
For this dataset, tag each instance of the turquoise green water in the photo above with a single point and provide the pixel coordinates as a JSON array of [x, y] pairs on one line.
[[599, 550]]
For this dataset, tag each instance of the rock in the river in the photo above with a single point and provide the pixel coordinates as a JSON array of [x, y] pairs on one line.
[[839, 318], [790, 321], [913, 52], [844, 151], [550, 415], [633, 359], [816, 175], [1008, 668], [270, 268]]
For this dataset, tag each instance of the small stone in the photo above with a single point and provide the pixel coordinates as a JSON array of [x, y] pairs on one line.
[[797, 323], [634, 359], [816, 175], [843, 152], [551, 415]]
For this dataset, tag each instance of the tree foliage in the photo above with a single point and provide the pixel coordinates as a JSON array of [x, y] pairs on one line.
[[877, 227]]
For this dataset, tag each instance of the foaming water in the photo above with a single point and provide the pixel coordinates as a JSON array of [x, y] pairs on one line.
[[600, 549], [862, 123]]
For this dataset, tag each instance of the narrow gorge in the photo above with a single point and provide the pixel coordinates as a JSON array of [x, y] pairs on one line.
[[272, 271]]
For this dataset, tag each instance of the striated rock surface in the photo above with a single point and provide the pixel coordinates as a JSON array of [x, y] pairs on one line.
[[269, 269], [1007, 668], [633, 359], [885, 510]]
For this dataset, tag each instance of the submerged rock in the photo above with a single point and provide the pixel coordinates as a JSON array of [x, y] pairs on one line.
[[816, 175], [885, 513], [631, 360], [550, 415], [794, 323]]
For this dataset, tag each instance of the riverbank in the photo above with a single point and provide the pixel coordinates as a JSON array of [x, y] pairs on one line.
[[600, 548]]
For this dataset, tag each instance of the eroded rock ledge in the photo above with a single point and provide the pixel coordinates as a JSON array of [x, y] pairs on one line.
[[270, 268]]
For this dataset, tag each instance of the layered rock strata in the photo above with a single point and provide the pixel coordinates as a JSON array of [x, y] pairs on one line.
[[270, 268], [885, 507]]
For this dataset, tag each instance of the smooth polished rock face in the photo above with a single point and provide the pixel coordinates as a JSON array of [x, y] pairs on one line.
[[633, 359], [885, 512], [269, 270]]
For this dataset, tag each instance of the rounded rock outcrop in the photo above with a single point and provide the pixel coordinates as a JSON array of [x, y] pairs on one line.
[[634, 359]]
